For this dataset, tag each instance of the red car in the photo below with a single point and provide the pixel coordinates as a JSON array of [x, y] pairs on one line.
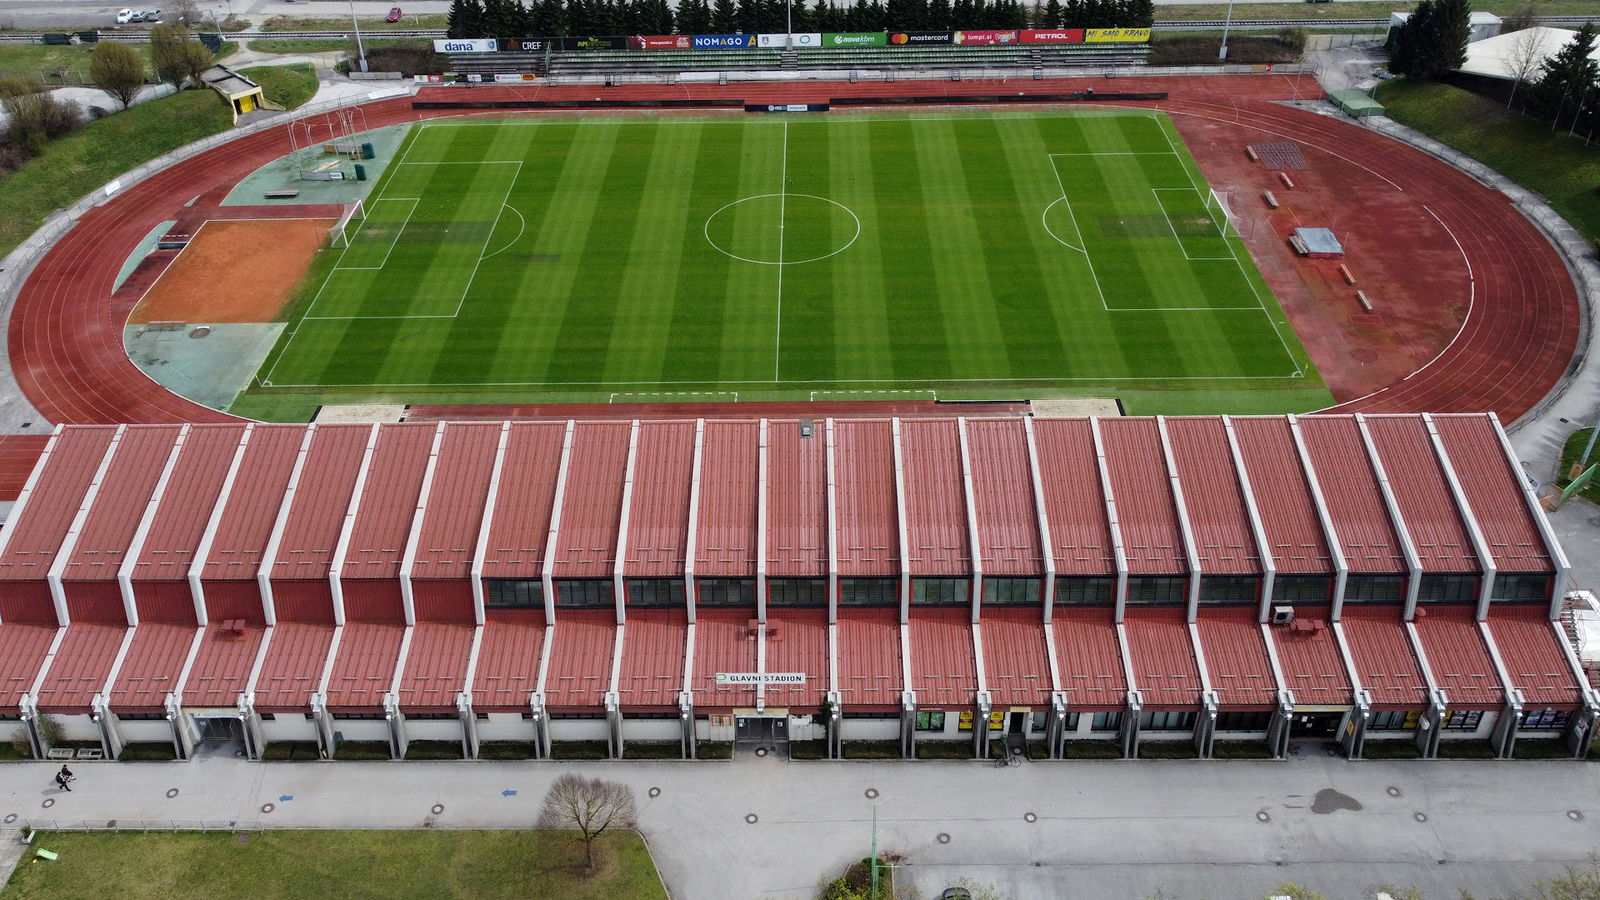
[[394, 14]]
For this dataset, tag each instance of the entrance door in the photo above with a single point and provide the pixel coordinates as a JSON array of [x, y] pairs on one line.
[[219, 729], [1019, 724], [1315, 724], [760, 730]]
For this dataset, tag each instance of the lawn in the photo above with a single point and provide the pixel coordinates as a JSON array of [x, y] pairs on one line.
[[1523, 149], [102, 150], [841, 257], [313, 865], [375, 23], [287, 86]]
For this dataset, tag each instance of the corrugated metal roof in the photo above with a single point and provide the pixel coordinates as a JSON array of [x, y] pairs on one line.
[[730, 484], [1016, 665], [658, 520], [252, 504], [221, 666], [1283, 496], [868, 657], [124, 496], [1164, 668], [1079, 528], [1236, 656], [868, 526], [1458, 657], [586, 544], [1494, 493], [1002, 490], [293, 666], [1213, 497], [19, 453], [321, 500], [53, 504], [653, 648], [388, 501], [1528, 646], [460, 488], [364, 669], [522, 509], [724, 641], [186, 505], [436, 666], [1422, 493], [937, 539], [1090, 657], [943, 671], [508, 659], [580, 659], [1146, 513], [1360, 518], [797, 641], [1385, 664], [80, 668], [797, 501], [22, 650], [150, 671], [1310, 661]]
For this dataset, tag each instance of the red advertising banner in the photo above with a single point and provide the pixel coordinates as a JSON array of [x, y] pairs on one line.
[[661, 42], [1067, 36], [987, 37]]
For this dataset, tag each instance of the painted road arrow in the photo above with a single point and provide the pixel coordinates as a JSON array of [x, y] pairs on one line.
[[508, 793], [285, 798]]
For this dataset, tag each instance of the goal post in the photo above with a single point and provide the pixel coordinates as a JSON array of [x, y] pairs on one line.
[[344, 230], [1217, 208]]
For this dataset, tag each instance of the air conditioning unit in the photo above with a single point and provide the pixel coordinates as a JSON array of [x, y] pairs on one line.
[[1282, 615]]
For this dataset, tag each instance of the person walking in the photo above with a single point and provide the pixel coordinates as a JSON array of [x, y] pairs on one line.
[[64, 778]]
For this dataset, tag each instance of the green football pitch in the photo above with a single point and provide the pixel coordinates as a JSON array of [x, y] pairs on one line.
[[859, 256]]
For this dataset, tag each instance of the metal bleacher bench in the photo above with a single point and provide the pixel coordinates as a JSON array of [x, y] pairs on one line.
[[282, 194]]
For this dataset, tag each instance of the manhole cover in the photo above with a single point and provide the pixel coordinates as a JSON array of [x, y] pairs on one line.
[[872, 793], [11, 818], [1421, 817], [655, 792], [200, 332], [751, 818], [438, 808], [267, 807], [761, 751], [172, 792], [943, 838], [48, 802], [1262, 816], [1030, 817], [1574, 815], [1392, 791]]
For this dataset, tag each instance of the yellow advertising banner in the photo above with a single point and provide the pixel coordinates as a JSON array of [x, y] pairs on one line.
[[997, 719], [964, 721], [1116, 36]]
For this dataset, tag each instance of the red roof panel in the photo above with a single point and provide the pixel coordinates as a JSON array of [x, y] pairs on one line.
[[1534, 660], [868, 526], [523, 505], [730, 484], [1283, 496], [1385, 664], [723, 642], [1494, 492], [653, 647], [1218, 517], [321, 501], [436, 666], [1016, 665], [1090, 657], [388, 502], [868, 657], [460, 488], [364, 669], [120, 505], [580, 659], [1310, 660], [1422, 493], [81, 666], [797, 641], [1146, 514], [37, 532], [1236, 656], [658, 521], [22, 650], [292, 669], [1080, 532], [251, 507], [508, 659], [1458, 657], [1003, 501], [943, 672], [19, 453], [1162, 651], [586, 545], [797, 501], [937, 539], [1355, 504], [221, 666], [186, 504], [150, 670]]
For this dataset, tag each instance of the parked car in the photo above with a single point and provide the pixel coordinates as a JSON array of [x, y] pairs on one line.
[[124, 16], [151, 15], [394, 15]]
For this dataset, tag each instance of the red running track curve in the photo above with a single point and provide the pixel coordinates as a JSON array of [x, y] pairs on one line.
[[1518, 337]]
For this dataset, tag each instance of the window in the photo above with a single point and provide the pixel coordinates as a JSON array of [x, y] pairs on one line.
[[1243, 721], [507, 593], [434, 716], [1544, 720], [940, 591], [868, 592], [1072, 722], [1106, 721], [1156, 720], [1011, 591], [726, 592], [646, 593], [1462, 719], [1301, 589], [930, 721], [1038, 722], [1086, 591], [585, 593], [1150, 591], [268, 717], [1521, 588], [1373, 589], [1448, 589], [1229, 591], [1394, 720], [797, 592], [361, 717], [142, 716]]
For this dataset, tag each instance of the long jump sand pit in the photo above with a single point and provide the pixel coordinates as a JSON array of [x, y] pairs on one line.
[[234, 271]]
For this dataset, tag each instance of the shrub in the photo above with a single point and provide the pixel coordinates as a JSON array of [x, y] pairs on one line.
[[19, 86], [406, 57]]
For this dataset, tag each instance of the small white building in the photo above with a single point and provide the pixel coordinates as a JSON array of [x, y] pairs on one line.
[[1481, 25], [1503, 56]]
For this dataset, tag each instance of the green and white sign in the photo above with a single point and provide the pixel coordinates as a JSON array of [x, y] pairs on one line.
[[761, 678], [856, 39]]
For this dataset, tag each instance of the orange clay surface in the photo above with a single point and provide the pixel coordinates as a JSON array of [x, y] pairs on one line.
[[234, 271]]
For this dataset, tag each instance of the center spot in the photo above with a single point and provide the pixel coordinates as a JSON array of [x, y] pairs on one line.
[[773, 229]]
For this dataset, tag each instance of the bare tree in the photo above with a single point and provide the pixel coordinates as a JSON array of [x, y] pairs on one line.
[[587, 805], [1524, 16], [1523, 59], [187, 12], [118, 70]]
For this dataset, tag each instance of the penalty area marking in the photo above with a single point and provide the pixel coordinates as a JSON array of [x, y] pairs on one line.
[[869, 394], [673, 396]]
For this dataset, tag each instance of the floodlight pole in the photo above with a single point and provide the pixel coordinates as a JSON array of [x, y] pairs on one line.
[[788, 30], [361, 51], [1222, 52]]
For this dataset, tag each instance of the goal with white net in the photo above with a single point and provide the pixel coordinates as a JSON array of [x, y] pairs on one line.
[[344, 230], [1217, 208]]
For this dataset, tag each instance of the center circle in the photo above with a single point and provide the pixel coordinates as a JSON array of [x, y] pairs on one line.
[[782, 229]]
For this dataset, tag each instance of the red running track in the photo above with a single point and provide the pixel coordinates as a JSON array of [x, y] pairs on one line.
[[1518, 337]]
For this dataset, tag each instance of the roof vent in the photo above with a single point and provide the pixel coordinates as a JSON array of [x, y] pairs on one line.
[[1282, 615]]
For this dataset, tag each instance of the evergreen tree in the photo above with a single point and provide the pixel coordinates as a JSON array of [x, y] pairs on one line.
[[1432, 41], [694, 17], [938, 17], [746, 18], [1452, 28], [466, 19], [1053, 15], [1139, 14], [961, 15], [724, 18], [547, 18], [1072, 14], [1567, 78]]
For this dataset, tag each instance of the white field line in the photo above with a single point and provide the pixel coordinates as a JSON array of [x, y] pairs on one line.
[[783, 201], [499, 211], [1113, 379], [1083, 245], [629, 396], [932, 394], [340, 267], [1157, 191], [521, 229]]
